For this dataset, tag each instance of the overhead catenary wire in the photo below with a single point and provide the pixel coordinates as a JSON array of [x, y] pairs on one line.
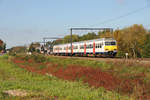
[[122, 16]]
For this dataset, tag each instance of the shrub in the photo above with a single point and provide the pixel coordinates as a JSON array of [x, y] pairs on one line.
[[39, 58]]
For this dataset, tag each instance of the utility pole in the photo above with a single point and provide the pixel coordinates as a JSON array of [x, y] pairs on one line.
[[72, 29]]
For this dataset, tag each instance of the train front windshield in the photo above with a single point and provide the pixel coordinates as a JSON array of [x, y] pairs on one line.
[[110, 43]]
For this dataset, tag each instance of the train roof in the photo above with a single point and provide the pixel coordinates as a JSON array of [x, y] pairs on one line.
[[101, 39]]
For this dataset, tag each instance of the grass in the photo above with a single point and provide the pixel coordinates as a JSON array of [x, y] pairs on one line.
[[118, 67], [47, 87], [121, 69]]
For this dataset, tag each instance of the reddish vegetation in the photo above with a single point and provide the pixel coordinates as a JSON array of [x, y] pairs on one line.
[[93, 76]]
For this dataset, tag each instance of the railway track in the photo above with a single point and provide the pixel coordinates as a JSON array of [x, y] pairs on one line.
[[140, 60]]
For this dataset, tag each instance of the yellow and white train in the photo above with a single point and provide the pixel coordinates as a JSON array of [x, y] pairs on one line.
[[97, 47]]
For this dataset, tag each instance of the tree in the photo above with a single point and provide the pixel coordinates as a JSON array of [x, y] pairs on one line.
[[131, 40], [146, 51], [148, 31], [88, 36], [58, 41], [105, 34], [2, 46], [34, 46], [120, 43], [18, 49], [75, 38], [67, 38]]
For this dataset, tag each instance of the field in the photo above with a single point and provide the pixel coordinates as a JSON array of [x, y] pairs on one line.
[[54, 78]]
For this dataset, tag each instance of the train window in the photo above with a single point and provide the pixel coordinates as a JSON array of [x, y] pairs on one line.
[[82, 46], [110, 43], [91, 46], [100, 46], [96, 46], [107, 43], [113, 43], [87, 46], [75, 47]]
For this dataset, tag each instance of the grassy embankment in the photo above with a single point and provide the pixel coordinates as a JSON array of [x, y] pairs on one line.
[[46, 87], [122, 69], [134, 77], [135, 74]]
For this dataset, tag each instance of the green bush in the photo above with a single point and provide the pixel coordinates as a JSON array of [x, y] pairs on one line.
[[39, 58]]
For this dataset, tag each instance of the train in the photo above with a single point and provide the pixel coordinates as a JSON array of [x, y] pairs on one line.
[[96, 47]]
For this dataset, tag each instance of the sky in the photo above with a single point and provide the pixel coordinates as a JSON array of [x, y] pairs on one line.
[[26, 21]]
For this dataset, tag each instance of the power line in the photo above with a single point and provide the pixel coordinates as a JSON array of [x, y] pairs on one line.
[[125, 15]]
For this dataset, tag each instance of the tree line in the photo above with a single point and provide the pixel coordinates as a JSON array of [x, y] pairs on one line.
[[134, 40]]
